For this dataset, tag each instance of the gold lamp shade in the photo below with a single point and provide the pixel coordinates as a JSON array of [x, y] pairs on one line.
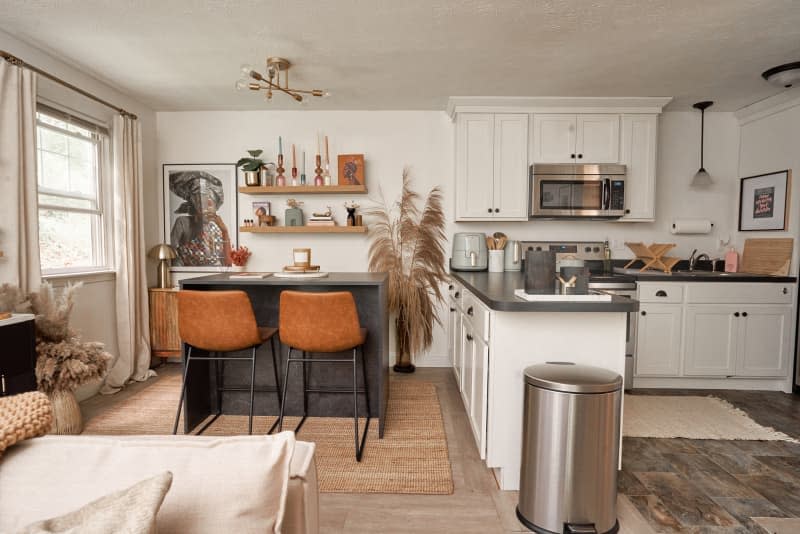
[[164, 254]]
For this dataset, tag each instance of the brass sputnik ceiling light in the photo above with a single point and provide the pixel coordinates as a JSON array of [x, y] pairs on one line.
[[273, 82]]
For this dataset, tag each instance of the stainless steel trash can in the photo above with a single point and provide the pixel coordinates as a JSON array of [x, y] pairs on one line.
[[570, 449]]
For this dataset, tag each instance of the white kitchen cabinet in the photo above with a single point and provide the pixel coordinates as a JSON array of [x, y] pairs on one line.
[[638, 154], [491, 166], [658, 348], [576, 138], [477, 411], [765, 341], [711, 333], [467, 363]]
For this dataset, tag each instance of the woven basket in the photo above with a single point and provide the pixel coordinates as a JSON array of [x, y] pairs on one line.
[[67, 418]]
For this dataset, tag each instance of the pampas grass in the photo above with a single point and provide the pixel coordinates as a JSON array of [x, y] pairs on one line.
[[408, 245]]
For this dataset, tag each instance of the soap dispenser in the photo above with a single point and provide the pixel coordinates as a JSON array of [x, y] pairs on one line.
[[731, 261]]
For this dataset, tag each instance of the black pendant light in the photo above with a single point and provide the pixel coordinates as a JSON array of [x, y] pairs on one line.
[[701, 177]]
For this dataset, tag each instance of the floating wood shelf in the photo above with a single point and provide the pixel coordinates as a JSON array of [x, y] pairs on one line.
[[303, 189], [304, 229]]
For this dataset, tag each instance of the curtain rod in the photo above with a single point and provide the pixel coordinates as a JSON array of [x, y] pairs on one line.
[[20, 63]]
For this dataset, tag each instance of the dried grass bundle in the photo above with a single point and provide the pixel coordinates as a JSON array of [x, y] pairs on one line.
[[408, 245], [13, 299]]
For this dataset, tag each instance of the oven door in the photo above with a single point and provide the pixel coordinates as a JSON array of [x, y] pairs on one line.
[[571, 196]]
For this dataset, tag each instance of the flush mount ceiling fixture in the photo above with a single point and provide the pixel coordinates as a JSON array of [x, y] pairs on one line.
[[272, 82], [701, 177], [783, 75]]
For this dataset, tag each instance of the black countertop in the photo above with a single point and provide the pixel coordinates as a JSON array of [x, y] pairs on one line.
[[333, 279], [702, 276], [496, 290]]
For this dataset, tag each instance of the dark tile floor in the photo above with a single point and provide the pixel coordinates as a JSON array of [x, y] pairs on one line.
[[714, 486]]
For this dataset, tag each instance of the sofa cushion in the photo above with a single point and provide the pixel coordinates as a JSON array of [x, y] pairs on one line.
[[132, 510], [220, 484]]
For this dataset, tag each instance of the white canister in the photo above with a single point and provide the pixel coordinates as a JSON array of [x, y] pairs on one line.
[[496, 260]]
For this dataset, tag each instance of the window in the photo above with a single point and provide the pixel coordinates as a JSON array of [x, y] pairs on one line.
[[71, 155]]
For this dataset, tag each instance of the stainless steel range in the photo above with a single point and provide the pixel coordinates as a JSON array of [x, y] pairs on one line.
[[592, 253]]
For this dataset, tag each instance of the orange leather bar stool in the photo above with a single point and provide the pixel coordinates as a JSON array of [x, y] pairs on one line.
[[323, 323], [219, 322]]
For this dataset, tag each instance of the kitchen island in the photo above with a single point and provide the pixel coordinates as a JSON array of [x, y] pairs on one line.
[[495, 335], [369, 292]]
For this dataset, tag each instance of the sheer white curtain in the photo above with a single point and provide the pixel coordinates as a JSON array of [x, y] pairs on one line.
[[133, 362], [19, 212]]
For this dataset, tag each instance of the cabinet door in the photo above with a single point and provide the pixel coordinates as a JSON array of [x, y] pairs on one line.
[[597, 139], [468, 349], [477, 412], [638, 154], [474, 166], [451, 332], [658, 343], [554, 138], [458, 348], [764, 341], [511, 166], [710, 333]]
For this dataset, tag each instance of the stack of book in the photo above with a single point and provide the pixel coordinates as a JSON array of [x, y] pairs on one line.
[[321, 220]]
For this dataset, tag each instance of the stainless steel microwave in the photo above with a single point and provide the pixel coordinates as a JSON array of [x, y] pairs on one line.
[[566, 191]]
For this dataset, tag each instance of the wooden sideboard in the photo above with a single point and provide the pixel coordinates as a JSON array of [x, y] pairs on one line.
[[165, 342]]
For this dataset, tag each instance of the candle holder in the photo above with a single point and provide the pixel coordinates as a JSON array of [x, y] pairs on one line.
[[303, 179], [280, 180], [318, 171], [294, 176]]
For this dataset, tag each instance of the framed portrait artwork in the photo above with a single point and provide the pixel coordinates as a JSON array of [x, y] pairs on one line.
[[351, 169], [200, 214], [764, 201]]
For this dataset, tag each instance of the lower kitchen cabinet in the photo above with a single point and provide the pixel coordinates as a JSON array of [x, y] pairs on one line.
[[714, 330], [765, 341], [477, 411], [658, 351], [467, 350]]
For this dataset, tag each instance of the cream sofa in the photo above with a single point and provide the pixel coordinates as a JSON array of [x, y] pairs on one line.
[[220, 484]]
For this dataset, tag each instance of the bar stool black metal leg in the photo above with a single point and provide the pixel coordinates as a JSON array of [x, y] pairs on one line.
[[285, 388], [252, 390], [278, 391], [355, 405], [219, 369], [183, 389], [364, 373]]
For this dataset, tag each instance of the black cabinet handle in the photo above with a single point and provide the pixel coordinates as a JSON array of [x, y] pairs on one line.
[[736, 314], [572, 156], [497, 210], [489, 210], [627, 212], [450, 287], [785, 290], [644, 312], [744, 314], [580, 156], [469, 337], [661, 293], [458, 294], [470, 311], [452, 309]]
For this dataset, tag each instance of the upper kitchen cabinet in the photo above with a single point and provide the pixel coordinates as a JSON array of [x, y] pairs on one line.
[[638, 154], [492, 166], [570, 138]]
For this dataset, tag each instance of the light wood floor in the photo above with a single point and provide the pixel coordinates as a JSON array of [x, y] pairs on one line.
[[476, 506]]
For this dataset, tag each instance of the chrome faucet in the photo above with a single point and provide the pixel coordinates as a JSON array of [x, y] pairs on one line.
[[694, 259]]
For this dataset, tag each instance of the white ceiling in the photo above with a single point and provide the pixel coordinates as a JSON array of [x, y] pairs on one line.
[[413, 54]]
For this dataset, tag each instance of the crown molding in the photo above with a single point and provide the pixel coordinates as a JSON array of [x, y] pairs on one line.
[[769, 106], [554, 104]]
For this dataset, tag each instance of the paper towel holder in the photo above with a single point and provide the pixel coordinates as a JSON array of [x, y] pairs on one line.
[[673, 225]]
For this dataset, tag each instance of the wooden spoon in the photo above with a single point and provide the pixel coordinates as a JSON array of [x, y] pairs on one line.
[[489, 242]]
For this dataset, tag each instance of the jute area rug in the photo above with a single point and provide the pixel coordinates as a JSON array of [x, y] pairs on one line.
[[411, 458], [647, 416]]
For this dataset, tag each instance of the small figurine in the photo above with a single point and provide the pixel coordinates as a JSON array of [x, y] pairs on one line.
[[351, 213], [294, 215]]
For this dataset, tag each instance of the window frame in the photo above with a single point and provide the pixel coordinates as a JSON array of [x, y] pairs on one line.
[[102, 250]]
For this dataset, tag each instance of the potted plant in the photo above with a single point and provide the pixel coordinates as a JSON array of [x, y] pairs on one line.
[[239, 257], [408, 243], [251, 167]]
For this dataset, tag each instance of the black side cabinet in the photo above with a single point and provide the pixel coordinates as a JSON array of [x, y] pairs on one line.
[[17, 358]]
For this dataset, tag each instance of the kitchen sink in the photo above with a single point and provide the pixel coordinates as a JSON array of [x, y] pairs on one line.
[[711, 273]]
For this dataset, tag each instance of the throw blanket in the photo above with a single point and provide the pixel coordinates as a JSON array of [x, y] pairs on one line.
[[24, 416]]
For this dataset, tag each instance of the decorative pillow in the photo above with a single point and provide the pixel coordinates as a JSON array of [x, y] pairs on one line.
[[24, 416], [129, 511]]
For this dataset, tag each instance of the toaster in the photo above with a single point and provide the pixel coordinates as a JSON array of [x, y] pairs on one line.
[[469, 252]]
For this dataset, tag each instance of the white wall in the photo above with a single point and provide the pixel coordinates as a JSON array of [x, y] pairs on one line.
[[424, 140], [94, 312], [768, 144]]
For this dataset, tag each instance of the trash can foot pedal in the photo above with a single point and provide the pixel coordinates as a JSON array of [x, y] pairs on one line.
[[580, 529]]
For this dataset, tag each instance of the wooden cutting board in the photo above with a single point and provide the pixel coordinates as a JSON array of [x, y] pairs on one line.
[[767, 256]]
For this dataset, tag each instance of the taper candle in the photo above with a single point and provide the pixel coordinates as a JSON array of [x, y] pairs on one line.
[[280, 145], [294, 159], [304, 161], [327, 155]]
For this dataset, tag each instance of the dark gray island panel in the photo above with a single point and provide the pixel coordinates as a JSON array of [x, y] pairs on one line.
[[370, 293]]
